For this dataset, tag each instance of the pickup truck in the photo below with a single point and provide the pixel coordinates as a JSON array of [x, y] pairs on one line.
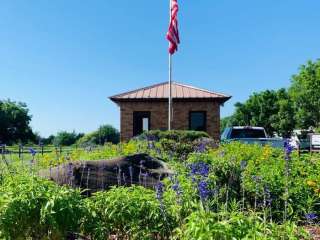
[[250, 135]]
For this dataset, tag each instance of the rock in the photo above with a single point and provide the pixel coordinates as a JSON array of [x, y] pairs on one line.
[[92, 176]]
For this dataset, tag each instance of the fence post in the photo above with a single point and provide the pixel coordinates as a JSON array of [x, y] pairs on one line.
[[4, 155], [56, 150], [3, 149], [19, 151]]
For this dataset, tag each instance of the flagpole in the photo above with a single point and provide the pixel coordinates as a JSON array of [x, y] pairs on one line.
[[170, 93], [170, 80]]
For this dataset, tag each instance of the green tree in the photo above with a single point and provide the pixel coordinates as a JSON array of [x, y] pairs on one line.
[[305, 93], [48, 140], [66, 138], [15, 122], [105, 133], [270, 109], [284, 122], [225, 122]]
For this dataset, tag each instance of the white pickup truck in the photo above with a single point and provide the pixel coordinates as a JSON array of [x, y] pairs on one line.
[[250, 135]]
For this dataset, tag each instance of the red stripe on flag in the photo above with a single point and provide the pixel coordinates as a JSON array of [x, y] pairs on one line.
[[173, 32]]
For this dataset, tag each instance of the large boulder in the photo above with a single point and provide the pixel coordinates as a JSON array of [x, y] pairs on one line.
[[92, 176]]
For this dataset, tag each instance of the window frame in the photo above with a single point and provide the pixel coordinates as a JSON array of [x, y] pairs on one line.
[[205, 120]]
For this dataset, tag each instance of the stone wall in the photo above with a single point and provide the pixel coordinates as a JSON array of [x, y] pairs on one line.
[[159, 116]]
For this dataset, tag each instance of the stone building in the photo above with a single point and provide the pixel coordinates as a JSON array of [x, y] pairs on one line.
[[147, 109]]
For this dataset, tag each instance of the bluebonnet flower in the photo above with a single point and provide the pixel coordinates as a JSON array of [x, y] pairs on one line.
[[200, 168], [203, 189], [176, 186], [177, 189], [151, 138], [311, 216], [32, 151], [287, 146], [201, 148], [151, 145], [159, 191]]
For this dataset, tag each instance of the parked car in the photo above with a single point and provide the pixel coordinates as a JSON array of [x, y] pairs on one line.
[[250, 135]]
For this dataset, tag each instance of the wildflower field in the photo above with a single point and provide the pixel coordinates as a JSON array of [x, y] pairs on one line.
[[232, 191]]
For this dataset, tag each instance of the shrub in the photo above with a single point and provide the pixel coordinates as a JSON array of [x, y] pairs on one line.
[[176, 135], [105, 133], [132, 212], [66, 139], [256, 175], [34, 208], [237, 225]]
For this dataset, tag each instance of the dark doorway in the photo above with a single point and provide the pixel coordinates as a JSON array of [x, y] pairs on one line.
[[141, 122]]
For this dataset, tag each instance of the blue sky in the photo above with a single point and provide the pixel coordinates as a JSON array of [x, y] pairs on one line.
[[64, 58]]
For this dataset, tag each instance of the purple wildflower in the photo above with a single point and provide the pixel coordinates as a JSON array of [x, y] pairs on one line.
[[176, 186], [201, 148], [151, 145], [203, 189], [288, 148], [32, 151], [159, 191], [311, 216], [201, 169], [151, 138]]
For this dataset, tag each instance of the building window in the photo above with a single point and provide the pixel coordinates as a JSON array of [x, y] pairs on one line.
[[145, 124], [198, 121]]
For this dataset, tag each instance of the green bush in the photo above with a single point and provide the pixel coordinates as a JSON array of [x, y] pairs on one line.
[[66, 138], [34, 208], [246, 186], [225, 226], [262, 179], [105, 133], [176, 135], [132, 212]]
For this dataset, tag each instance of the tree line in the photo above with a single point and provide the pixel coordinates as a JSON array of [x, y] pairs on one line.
[[15, 128], [281, 111]]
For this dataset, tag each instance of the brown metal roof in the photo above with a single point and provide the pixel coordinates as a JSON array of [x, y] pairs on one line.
[[161, 92]]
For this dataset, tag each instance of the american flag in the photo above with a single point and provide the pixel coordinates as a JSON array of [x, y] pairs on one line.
[[173, 32]]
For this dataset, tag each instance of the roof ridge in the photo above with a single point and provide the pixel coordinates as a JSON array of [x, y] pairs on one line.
[[201, 89], [138, 89], [142, 91]]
